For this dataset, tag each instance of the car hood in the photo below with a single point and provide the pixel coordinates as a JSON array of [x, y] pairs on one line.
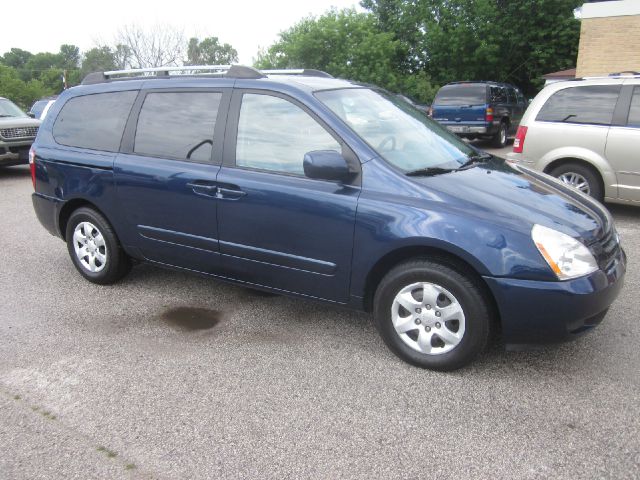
[[518, 198], [10, 122]]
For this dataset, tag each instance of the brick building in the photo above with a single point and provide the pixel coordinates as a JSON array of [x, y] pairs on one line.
[[609, 38]]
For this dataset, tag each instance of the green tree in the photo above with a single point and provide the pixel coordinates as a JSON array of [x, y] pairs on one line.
[[69, 56], [346, 44], [16, 58], [21, 92], [210, 52], [500, 40], [98, 59]]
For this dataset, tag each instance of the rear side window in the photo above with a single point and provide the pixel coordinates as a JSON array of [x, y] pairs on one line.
[[592, 104], [462, 94], [94, 121], [498, 95], [511, 95], [177, 125], [634, 111]]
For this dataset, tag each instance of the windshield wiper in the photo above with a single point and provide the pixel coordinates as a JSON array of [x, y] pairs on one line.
[[3, 116], [428, 172], [475, 158]]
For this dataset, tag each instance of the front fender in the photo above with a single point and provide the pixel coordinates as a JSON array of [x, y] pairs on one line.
[[384, 227]]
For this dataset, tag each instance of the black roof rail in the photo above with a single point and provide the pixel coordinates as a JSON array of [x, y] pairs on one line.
[[229, 71]]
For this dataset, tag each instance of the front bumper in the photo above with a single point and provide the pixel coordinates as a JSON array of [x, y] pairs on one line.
[[14, 153], [535, 312]]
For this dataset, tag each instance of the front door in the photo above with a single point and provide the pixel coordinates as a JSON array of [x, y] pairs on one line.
[[166, 178], [278, 228]]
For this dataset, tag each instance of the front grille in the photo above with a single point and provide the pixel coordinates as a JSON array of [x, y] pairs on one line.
[[18, 132], [606, 249]]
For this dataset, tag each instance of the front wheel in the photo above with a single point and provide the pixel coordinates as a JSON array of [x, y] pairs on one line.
[[94, 248], [432, 314]]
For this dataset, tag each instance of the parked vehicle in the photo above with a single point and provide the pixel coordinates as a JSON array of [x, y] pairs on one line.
[[587, 134], [480, 110], [17, 133], [322, 188], [41, 107]]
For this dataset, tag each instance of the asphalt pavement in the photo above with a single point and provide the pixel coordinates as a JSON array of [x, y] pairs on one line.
[[169, 375]]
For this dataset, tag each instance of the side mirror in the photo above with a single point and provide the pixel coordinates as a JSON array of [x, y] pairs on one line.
[[325, 165], [31, 114]]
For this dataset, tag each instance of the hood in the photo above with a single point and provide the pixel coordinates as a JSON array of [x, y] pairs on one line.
[[17, 122], [518, 198]]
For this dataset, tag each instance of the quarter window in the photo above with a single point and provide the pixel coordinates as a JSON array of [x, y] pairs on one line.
[[634, 111], [512, 95], [94, 121], [592, 104], [177, 125], [274, 134]]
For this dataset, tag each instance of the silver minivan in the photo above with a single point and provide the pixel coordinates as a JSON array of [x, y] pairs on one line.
[[587, 134]]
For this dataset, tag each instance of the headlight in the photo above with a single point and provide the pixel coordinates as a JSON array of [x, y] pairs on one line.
[[567, 257]]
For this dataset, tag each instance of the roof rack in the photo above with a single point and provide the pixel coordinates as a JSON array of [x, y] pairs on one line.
[[229, 71], [306, 72], [624, 74]]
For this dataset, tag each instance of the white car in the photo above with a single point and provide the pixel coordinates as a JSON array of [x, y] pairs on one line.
[[587, 134]]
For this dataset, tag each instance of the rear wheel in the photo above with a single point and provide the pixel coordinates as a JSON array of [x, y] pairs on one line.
[[432, 314], [94, 248], [581, 177], [499, 140]]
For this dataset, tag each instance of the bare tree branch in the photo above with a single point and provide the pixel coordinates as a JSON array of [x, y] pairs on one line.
[[157, 46]]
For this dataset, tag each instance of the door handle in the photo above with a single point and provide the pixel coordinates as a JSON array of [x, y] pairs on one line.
[[203, 188], [230, 193]]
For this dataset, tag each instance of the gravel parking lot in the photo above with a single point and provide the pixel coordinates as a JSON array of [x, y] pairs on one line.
[[168, 375]]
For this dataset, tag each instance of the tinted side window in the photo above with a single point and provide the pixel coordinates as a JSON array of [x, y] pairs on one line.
[[177, 125], [94, 121], [498, 95], [634, 111], [520, 96], [511, 95], [593, 104], [274, 134]]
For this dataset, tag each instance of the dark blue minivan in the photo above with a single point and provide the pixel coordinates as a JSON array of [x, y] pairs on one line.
[[302, 184]]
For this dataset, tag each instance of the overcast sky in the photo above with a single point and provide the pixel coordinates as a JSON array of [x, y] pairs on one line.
[[43, 25]]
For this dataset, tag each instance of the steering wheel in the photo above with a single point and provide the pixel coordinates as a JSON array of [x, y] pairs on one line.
[[388, 139]]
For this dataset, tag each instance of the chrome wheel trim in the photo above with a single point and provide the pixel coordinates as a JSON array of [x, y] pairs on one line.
[[428, 318], [576, 181], [503, 134], [90, 247]]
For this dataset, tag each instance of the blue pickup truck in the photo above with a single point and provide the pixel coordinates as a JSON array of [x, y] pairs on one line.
[[480, 110]]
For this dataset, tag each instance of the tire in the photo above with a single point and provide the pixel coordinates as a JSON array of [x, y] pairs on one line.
[[88, 231], [581, 177], [499, 140], [440, 281]]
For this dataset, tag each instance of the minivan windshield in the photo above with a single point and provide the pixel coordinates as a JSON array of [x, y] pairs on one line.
[[10, 109], [462, 94], [398, 132]]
